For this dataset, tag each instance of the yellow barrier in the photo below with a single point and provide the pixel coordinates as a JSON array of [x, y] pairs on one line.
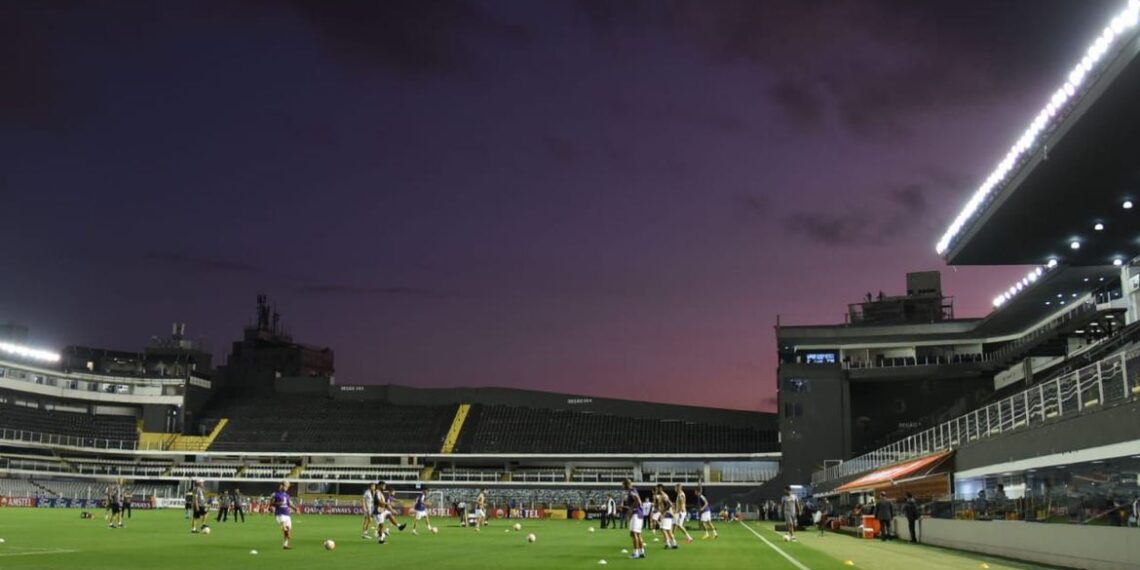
[[456, 428]]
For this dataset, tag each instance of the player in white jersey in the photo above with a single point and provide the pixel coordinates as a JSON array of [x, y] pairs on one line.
[[666, 520], [638, 511], [791, 505], [681, 513], [421, 510], [367, 506], [385, 511], [706, 515], [480, 510]]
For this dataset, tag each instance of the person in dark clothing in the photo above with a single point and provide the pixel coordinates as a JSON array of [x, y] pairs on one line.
[[885, 513], [223, 507], [910, 509], [237, 506]]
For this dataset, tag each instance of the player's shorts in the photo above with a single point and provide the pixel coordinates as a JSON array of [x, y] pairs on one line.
[[199, 513], [285, 521], [655, 516], [790, 519], [382, 516], [635, 524], [706, 516], [480, 513], [666, 523], [421, 515], [681, 517], [116, 507]]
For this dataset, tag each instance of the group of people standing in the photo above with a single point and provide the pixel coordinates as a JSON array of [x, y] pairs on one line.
[[659, 512]]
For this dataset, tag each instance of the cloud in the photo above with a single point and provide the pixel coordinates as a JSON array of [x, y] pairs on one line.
[[875, 64], [799, 101], [412, 37], [830, 229], [899, 211], [658, 109], [331, 289], [753, 205], [199, 263]]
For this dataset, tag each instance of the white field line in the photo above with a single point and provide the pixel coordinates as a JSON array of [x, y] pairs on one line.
[[778, 550]]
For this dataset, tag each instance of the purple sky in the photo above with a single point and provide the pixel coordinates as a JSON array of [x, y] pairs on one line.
[[608, 198]]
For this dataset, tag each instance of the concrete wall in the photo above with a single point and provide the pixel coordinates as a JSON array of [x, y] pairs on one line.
[[823, 430], [1103, 427], [1070, 546]]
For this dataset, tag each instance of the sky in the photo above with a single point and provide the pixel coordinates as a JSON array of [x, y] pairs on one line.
[[607, 198]]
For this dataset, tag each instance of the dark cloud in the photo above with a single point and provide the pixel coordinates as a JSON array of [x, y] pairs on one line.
[[657, 110], [799, 101], [910, 197], [898, 212], [199, 263], [413, 37], [830, 229], [752, 205], [877, 63], [333, 289]]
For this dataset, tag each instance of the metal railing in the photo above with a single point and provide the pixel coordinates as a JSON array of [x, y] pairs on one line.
[[1111, 380], [57, 440]]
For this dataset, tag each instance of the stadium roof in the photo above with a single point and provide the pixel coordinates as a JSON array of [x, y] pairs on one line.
[[1074, 168]]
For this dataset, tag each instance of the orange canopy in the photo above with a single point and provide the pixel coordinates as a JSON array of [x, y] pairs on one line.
[[887, 475]]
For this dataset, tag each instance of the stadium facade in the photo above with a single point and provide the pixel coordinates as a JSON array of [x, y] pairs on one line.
[[1029, 414]]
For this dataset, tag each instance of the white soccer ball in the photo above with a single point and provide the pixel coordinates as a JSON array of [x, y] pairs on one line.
[[330, 544], [517, 526], [531, 537], [603, 562], [435, 530], [254, 552], [206, 530], [1, 541], [787, 538], [591, 529]]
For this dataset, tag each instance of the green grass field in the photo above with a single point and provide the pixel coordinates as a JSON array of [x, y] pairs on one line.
[[58, 539]]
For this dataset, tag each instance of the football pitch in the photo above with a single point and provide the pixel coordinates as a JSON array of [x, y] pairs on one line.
[[57, 539]]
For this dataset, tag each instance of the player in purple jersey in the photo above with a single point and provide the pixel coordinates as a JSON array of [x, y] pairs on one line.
[[282, 508], [420, 510], [706, 515], [638, 512]]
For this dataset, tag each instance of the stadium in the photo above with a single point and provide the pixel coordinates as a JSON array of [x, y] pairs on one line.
[[1006, 441]]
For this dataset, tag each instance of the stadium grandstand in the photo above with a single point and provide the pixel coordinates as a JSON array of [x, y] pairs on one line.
[[71, 422], [1030, 413]]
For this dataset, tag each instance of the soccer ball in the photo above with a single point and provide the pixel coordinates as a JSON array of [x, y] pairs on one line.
[[330, 544], [591, 529], [517, 526], [531, 537], [787, 538], [205, 530], [253, 552], [435, 530]]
